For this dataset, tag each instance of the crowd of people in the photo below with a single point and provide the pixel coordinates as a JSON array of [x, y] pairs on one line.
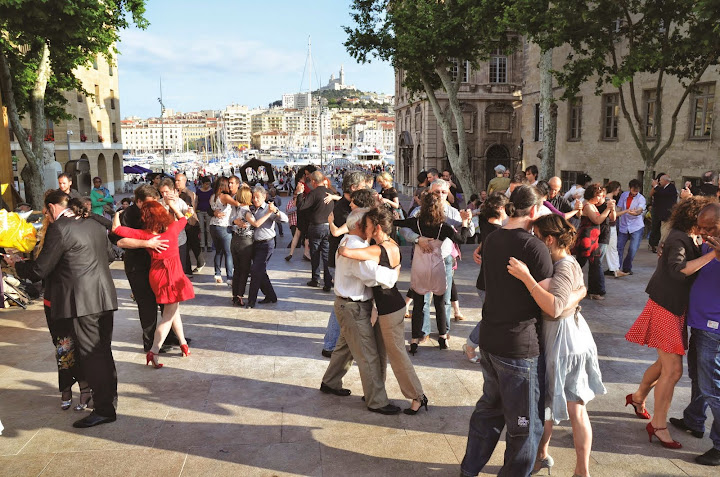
[[536, 352]]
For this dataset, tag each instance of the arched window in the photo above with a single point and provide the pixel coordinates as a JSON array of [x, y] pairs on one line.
[[418, 119]]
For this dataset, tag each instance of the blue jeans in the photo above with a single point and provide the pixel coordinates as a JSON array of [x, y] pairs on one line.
[[704, 371], [332, 333], [596, 277], [259, 279], [222, 238], [511, 397], [634, 239], [448, 306], [318, 236]]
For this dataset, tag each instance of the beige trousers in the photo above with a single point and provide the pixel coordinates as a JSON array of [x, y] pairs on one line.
[[392, 328], [362, 341]]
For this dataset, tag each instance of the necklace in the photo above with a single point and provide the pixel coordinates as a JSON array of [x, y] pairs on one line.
[[387, 239]]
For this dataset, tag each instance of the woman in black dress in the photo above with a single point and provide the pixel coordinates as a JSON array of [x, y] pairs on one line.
[[389, 304]]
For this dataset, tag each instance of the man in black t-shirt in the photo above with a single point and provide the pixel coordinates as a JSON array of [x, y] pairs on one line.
[[558, 201], [510, 346], [317, 212]]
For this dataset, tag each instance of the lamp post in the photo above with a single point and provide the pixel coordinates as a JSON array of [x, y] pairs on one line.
[[69, 133], [162, 129]]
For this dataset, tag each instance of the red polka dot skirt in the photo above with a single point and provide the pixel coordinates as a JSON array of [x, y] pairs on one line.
[[656, 327]]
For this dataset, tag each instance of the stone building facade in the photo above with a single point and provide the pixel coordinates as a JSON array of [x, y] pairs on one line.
[[594, 137], [491, 100], [94, 133]]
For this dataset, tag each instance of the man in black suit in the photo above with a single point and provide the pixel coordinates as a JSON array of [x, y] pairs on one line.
[[137, 266], [75, 266], [317, 211]]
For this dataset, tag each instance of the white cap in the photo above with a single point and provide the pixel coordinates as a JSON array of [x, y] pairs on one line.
[[499, 168]]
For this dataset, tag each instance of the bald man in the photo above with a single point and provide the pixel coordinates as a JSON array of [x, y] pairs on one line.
[[558, 201], [703, 317]]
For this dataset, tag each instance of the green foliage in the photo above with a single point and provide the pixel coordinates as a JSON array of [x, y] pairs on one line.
[[76, 31], [420, 36]]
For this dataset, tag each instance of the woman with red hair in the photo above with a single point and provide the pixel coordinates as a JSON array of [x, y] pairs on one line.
[[167, 279]]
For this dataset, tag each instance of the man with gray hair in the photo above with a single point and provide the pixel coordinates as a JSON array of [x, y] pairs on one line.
[[359, 339], [263, 246], [708, 187], [351, 182]]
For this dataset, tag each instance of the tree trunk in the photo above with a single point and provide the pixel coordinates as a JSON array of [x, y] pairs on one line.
[[549, 110], [458, 158], [32, 174], [648, 175]]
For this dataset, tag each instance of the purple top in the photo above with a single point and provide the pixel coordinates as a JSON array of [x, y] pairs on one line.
[[704, 308], [552, 208], [203, 199]]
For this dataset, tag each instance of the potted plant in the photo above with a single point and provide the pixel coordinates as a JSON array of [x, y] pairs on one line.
[[83, 137]]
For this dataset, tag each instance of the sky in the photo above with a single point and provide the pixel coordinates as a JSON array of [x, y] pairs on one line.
[[214, 53]]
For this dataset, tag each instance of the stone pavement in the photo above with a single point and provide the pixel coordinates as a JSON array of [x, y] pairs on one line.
[[246, 402]]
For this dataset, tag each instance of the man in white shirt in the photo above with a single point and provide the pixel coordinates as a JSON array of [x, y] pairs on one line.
[[358, 337]]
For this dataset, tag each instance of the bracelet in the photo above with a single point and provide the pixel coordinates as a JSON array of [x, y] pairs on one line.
[[533, 288]]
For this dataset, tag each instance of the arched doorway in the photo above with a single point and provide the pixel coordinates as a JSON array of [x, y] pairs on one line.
[[102, 168], [117, 173], [496, 154]]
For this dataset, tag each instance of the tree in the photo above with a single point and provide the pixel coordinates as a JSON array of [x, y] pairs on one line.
[[41, 44], [429, 41], [615, 42]]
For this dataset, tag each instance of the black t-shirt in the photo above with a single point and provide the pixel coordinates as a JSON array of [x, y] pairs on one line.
[[605, 226], [561, 204], [314, 206], [390, 194], [340, 214], [484, 230], [511, 318], [135, 259]]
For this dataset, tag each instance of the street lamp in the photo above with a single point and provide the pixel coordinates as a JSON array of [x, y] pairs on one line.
[[162, 128], [69, 133]]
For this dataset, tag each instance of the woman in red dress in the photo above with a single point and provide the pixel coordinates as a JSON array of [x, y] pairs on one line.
[[167, 279], [661, 324]]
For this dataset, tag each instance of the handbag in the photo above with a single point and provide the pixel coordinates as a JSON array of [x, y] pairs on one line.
[[427, 272]]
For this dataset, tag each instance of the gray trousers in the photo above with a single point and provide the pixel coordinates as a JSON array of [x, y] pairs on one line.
[[392, 327], [362, 341]]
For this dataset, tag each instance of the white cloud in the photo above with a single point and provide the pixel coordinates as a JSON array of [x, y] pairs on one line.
[[196, 54]]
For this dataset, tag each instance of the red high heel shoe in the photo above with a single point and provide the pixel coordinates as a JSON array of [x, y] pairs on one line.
[[150, 358], [185, 350], [642, 415], [652, 432]]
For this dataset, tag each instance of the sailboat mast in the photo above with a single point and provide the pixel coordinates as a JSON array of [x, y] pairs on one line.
[[309, 94]]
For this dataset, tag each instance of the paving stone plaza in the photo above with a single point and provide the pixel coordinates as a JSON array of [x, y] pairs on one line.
[[246, 402]]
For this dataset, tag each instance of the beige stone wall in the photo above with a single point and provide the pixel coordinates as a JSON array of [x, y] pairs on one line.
[[414, 119], [105, 157], [616, 159]]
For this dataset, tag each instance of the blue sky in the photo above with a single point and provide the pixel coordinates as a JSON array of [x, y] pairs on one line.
[[217, 52]]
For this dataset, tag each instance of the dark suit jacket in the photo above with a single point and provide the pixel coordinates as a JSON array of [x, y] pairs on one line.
[[664, 199], [74, 263], [669, 287]]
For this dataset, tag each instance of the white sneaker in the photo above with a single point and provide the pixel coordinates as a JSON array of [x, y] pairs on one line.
[[229, 283], [218, 279]]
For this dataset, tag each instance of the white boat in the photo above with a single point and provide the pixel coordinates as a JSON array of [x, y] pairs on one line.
[[367, 156]]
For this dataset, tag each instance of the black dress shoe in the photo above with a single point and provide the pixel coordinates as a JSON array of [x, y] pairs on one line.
[[313, 283], [680, 424], [327, 288], [609, 273], [711, 457], [92, 420], [327, 353], [388, 410], [249, 305], [268, 300], [338, 392]]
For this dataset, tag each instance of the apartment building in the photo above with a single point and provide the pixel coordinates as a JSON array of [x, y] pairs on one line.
[[94, 132]]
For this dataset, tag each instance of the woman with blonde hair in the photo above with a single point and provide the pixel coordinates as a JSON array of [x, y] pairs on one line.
[[241, 245]]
